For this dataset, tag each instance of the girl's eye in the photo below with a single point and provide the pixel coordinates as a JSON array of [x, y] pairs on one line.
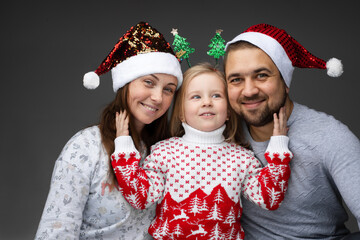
[[195, 97], [216, 95]]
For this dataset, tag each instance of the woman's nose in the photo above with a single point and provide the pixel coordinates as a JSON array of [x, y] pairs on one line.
[[156, 95]]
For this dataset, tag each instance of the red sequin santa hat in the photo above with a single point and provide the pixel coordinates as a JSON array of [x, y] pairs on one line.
[[285, 51], [141, 51]]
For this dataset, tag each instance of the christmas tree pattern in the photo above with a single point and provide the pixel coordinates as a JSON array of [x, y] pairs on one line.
[[181, 47], [189, 204], [178, 231], [231, 234], [215, 213], [217, 46], [216, 233], [231, 218], [195, 205], [189, 219]]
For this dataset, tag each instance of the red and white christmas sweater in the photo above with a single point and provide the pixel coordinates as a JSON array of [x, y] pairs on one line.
[[197, 179]]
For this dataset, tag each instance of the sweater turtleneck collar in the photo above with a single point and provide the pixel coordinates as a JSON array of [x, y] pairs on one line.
[[196, 136]]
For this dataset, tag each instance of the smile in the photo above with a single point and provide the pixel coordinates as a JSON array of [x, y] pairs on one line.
[[153, 109], [252, 104], [207, 114]]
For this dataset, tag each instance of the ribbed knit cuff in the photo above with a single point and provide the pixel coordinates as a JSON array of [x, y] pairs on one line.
[[124, 144], [278, 144]]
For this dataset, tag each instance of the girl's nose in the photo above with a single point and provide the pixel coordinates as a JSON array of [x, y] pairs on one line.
[[207, 101]]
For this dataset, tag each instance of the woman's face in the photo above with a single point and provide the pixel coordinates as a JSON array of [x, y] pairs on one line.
[[150, 97]]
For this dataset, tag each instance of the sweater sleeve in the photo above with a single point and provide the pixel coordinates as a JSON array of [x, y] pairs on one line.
[[141, 186], [69, 190], [267, 186], [341, 156]]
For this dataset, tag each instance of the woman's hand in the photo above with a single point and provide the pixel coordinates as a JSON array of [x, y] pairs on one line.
[[122, 124], [280, 127]]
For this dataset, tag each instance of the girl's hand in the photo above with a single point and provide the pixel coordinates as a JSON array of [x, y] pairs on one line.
[[280, 127], [122, 124]]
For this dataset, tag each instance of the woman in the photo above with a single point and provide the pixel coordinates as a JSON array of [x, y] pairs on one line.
[[84, 201]]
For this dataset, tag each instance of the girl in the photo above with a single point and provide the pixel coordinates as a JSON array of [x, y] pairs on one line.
[[84, 201], [197, 176]]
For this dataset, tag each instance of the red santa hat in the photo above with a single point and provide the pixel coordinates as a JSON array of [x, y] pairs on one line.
[[141, 51], [285, 51]]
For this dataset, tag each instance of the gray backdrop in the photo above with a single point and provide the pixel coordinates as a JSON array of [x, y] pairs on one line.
[[47, 46]]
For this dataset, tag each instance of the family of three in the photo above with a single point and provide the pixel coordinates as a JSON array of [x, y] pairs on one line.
[[219, 168]]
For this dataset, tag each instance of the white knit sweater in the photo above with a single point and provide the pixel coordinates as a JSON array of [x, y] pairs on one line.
[[82, 204], [197, 181]]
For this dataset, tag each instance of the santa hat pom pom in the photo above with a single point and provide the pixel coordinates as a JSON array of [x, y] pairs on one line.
[[91, 80], [334, 67]]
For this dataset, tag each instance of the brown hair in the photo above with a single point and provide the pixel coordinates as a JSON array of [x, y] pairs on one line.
[[151, 133], [233, 131]]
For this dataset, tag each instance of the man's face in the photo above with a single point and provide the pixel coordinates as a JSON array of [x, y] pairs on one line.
[[256, 89]]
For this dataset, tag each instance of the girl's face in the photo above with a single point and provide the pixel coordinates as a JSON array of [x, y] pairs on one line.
[[150, 97], [205, 104]]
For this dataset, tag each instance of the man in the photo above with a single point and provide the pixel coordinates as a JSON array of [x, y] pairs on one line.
[[326, 166]]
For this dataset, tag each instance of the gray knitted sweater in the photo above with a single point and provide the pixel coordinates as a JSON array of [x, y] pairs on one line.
[[325, 169]]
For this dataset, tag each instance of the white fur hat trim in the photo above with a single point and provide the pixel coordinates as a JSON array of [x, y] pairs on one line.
[[145, 64]]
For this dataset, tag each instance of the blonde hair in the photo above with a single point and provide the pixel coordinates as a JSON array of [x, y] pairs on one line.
[[232, 132]]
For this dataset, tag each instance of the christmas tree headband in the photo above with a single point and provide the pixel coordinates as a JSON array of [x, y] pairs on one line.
[[183, 49]]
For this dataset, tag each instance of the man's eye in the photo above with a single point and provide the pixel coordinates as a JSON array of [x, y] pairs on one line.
[[235, 80], [262, 75]]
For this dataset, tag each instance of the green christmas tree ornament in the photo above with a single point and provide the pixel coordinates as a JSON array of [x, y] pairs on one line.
[[217, 46], [181, 47]]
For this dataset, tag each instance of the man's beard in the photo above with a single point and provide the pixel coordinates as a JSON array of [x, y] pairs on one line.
[[259, 119]]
